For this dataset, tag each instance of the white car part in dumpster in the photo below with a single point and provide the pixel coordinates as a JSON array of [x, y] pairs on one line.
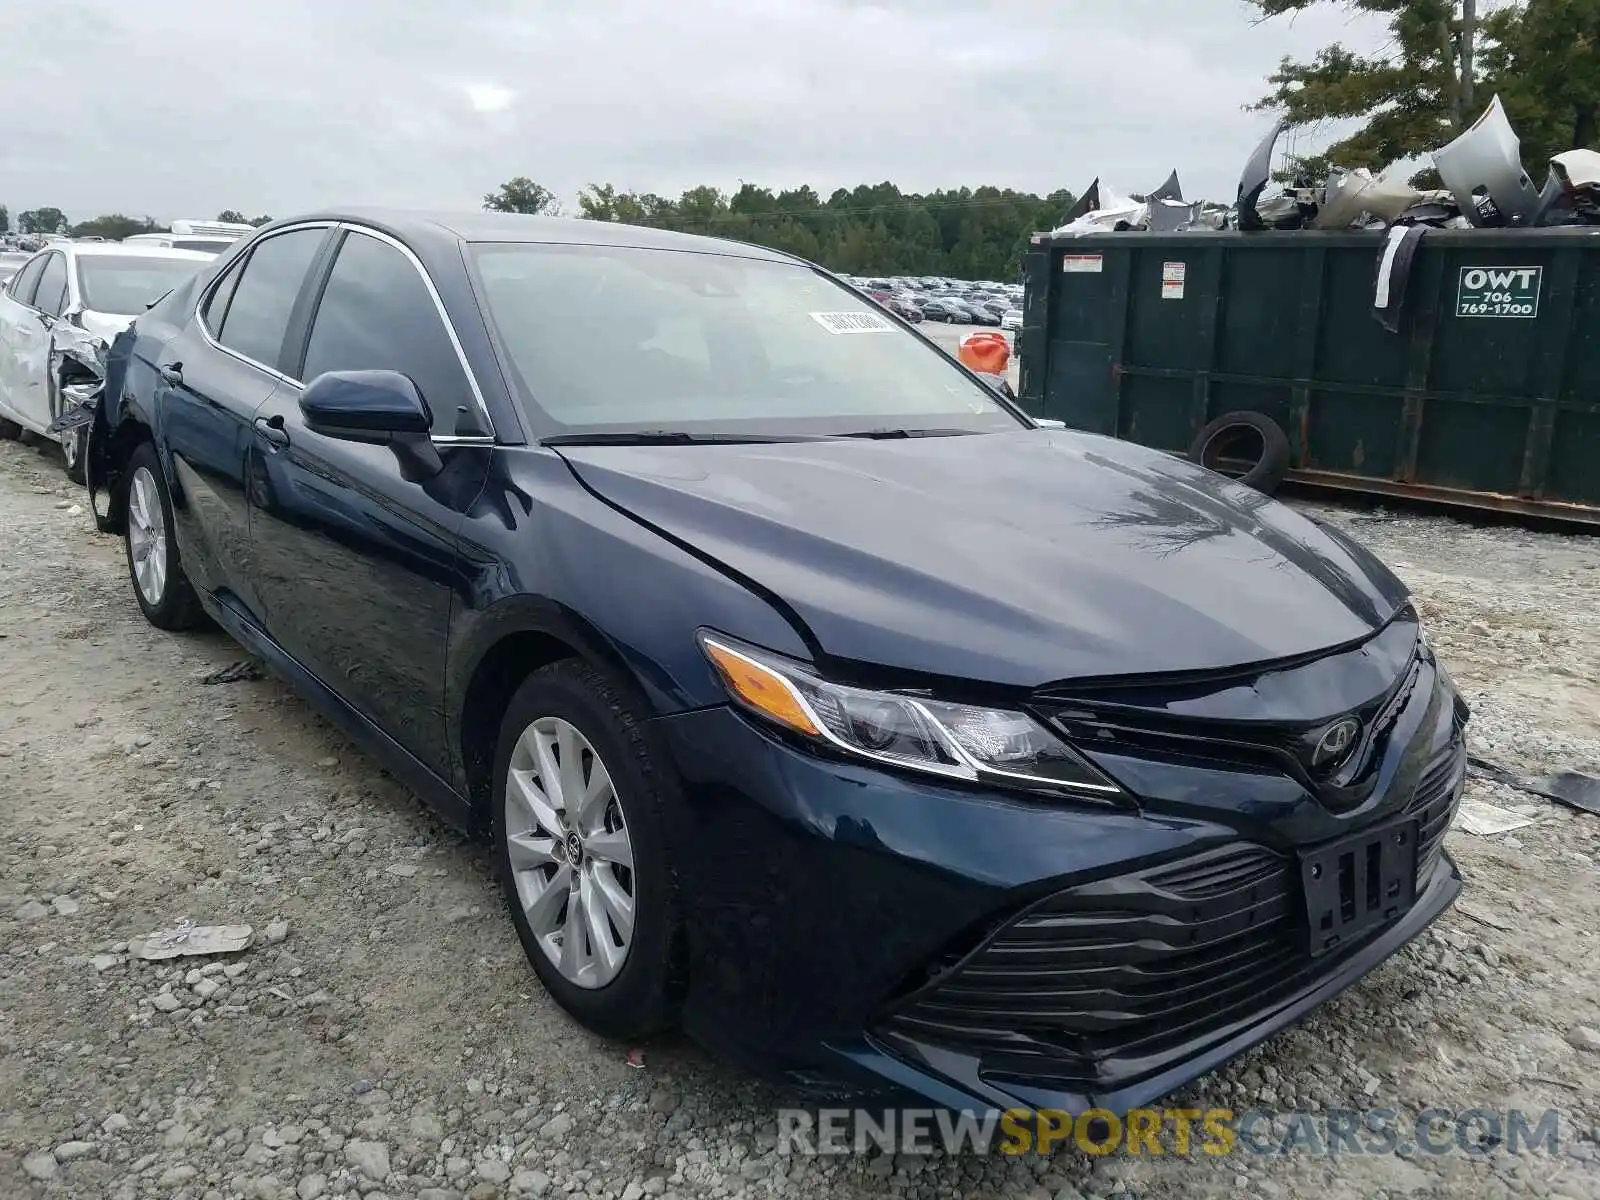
[[1485, 162]]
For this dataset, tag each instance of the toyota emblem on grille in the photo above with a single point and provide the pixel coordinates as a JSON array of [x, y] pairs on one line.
[[1335, 742]]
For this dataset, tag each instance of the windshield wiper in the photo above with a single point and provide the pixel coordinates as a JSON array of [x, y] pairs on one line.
[[884, 434], [674, 437]]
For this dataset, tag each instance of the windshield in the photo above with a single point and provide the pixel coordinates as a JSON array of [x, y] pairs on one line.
[[128, 285], [618, 338]]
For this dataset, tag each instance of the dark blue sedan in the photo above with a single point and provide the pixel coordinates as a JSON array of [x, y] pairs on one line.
[[811, 695]]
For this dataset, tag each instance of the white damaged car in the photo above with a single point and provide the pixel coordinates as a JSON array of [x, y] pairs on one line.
[[58, 314]]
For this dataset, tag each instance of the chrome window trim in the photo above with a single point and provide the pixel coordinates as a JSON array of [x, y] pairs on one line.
[[205, 296]]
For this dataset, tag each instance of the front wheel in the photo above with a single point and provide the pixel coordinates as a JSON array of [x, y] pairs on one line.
[[73, 443], [164, 592], [579, 816]]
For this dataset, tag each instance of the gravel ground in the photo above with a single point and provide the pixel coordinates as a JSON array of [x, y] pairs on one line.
[[383, 1036]]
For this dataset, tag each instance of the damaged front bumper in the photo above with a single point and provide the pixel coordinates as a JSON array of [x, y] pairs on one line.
[[79, 422]]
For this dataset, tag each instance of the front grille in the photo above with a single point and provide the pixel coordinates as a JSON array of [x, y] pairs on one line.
[[1108, 982], [1092, 978]]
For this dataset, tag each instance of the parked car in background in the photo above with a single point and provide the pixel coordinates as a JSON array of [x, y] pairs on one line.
[[1011, 319], [59, 311], [904, 308], [939, 308], [808, 693], [211, 237]]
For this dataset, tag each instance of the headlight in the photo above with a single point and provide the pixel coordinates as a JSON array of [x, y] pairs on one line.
[[958, 741]]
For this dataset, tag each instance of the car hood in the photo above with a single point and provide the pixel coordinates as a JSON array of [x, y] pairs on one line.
[[1014, 558]]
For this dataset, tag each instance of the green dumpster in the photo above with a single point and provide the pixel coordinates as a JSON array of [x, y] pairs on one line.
[[1487, 396]]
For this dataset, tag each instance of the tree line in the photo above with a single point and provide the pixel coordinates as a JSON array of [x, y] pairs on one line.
[[966, 233], [112, 226]]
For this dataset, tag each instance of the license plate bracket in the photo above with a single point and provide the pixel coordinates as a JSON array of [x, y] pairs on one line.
[[1358, 883]]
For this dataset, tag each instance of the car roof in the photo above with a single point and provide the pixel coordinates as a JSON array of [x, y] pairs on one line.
[[413, 226], [133, 250]]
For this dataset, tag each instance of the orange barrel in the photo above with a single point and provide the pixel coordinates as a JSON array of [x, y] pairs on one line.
[[985, 350]]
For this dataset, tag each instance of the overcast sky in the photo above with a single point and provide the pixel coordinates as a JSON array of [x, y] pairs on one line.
[[185, 107]]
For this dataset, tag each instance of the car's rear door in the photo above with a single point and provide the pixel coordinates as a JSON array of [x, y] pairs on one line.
[[356, 565], [211, 380], [16, 315]]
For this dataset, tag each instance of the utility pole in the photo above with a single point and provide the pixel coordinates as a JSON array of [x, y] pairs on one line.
[[1469, 22]]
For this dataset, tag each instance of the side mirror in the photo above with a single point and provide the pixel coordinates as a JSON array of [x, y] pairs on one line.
[[350, 404], [1048, 423], [379, 408]]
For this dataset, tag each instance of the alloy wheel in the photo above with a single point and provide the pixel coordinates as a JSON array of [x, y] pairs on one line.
[[570, 852], [147, 536]]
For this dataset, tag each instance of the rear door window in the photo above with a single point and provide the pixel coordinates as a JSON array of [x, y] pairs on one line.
[[216, 306], [377, 314], [27, 278], [258, 314]]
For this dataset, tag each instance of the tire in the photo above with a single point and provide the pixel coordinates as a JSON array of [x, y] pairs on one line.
[[1247, 431], [165, 596], [638, 996], [10, 431], [73, 446]]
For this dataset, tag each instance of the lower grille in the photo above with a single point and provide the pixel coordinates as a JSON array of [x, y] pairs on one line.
[[1434, 805], [1110, 981]]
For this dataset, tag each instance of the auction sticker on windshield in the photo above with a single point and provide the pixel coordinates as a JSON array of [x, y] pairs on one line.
[[1499, 292], [853, 322]]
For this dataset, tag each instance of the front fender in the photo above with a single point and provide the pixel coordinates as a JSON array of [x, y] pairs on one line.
[[541, 554]]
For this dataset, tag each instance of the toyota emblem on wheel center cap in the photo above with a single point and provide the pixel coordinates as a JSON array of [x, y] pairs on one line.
[[1335, 742], [574, 849]]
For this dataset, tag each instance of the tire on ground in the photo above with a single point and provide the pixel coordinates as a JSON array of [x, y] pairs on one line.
[[178, 607], [644, 996], [75, 442], [1245, 434]]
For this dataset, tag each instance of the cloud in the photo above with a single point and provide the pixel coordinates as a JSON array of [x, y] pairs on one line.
[[184, 107], [488, 97]]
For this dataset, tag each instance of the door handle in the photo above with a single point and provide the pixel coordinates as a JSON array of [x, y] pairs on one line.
[[171, 373], [271, 428]]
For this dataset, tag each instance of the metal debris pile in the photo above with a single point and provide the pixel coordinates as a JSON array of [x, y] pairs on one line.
[[1485, 187]]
